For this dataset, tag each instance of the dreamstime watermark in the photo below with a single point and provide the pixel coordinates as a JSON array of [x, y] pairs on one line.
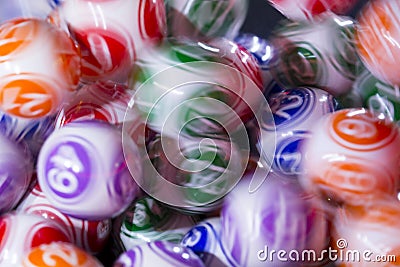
[[341, 254]]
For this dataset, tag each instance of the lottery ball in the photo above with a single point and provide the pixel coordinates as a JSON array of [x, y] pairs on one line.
[[294, 112], [278, 215], [105, 101], [159, 253], [205, 19], [39, 67], [19, 233], [91, 236], [204, 240], [146, 221], [378, 97], [263, 52], [216, 83], [33, 132], [319, 54], [338, 157], [82, 164], [59, 254], [201, 171], [377, 38], [367, 236], [308, 9], [16, 169], [112, 34]]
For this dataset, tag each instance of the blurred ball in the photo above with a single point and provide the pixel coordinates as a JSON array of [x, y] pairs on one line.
[[308, 9], [105, 101], [200, 19], [112, 34], [380, 98], [39, 67], [159, 253], [263, 52], [203, 170], [19, 233], [368, 236], [82, 164], [204, 240], [377, 39], [59, 254], [16, 169], [294, 112], [147, 221], [91, 236], [31, 131], [352, 158], [198, 87], [278, 215], [319, 54]]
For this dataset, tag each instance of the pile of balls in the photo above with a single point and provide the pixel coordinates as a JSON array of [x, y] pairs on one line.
[[138, 133]]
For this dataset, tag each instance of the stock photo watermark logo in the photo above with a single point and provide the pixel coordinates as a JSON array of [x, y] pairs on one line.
[[201, 147], [341, 253]]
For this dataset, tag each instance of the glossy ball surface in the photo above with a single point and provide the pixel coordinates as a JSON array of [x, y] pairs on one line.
[[91, 236], [370, 232], [16, 168], [112, 34], [105, 101], [339, 156], [82, 164], [39, 67], [321, 54], [147, 221], [278, 215], [294, 112], [59, 254], [199, 19], [19, 233], [377, 39]]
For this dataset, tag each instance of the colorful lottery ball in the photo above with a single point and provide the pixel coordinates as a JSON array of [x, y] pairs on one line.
[[19, 233], [197, 87], [338, 162], [319, 54], [377, 39], [112, 34], [200, 19], [308, 9], [39, 67], [16, 169], [204, 240], [367, 237], [82, 164], [263, 52], [380, 98], [294, 112], [59, 254], [31, 131], [105, 101], [91, 236], [159, 253], [196, 172], [146, 221], [278, 215]]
